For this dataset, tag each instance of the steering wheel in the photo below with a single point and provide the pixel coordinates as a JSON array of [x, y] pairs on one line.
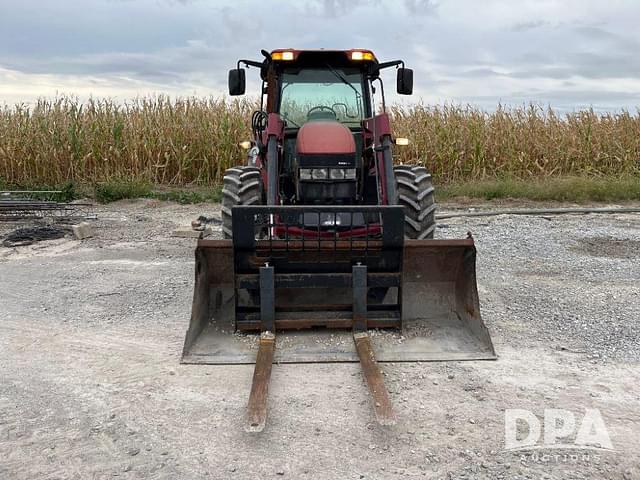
[[322, 112]]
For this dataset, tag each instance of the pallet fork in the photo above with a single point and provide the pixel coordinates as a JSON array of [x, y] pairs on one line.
[[425, 289]]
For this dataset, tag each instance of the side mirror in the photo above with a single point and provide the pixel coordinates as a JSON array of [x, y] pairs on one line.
[[405, 81], [237, 81]]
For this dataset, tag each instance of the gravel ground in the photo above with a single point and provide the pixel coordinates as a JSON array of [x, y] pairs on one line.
[[570, 281], [91, 333]]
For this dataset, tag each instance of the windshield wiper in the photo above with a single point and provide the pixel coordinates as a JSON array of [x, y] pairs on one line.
[[344, 80]]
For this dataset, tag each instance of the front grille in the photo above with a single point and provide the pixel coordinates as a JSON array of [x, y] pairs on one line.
[[347, 160]]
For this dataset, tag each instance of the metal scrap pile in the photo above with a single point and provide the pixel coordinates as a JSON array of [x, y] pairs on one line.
[[18, 205]]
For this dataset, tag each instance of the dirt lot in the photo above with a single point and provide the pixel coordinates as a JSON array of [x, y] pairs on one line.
[[91, 386]]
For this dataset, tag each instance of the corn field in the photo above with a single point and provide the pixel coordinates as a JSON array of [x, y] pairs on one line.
[[191, 141]]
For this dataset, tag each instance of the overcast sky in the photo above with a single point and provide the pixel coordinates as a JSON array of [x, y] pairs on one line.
[[567, 53]]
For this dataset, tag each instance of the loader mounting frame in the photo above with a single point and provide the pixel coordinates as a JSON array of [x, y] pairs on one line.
[[294, 257]]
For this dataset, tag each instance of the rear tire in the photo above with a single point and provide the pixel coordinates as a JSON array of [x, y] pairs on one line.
[[241, 186], [416, 195]]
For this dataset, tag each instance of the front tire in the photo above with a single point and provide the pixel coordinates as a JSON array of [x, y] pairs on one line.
[[241, 186], [416, 195]]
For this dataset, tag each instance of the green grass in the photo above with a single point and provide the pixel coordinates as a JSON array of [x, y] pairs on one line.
[[563, 189], [183, 196], [112, 191]]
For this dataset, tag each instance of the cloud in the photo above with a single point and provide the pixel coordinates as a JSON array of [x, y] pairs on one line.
[[17, 87], [337, 8], [461, 50], [167, 63], [530, 25], [421, 7]]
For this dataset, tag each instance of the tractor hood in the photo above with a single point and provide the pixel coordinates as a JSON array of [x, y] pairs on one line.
[[325, 137]]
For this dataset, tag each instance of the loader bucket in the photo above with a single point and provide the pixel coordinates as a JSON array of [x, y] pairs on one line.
[[437, 317]]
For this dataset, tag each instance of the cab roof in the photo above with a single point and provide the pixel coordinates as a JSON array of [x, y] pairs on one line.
[[355, 55]]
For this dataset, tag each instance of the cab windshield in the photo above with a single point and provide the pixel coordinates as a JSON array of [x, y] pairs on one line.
[[328, 93]]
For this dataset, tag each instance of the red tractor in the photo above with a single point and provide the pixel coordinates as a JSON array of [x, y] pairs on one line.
[[322, 231], [320, 139]]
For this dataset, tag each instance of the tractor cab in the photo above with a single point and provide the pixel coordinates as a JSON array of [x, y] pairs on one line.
[[323, 99]]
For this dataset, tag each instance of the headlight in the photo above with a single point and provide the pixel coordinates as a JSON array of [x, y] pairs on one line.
[[319, 173], [327, 173], [336, 174], [350, 173]]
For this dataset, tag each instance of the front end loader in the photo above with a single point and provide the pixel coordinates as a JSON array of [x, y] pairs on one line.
[[322, 233]]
